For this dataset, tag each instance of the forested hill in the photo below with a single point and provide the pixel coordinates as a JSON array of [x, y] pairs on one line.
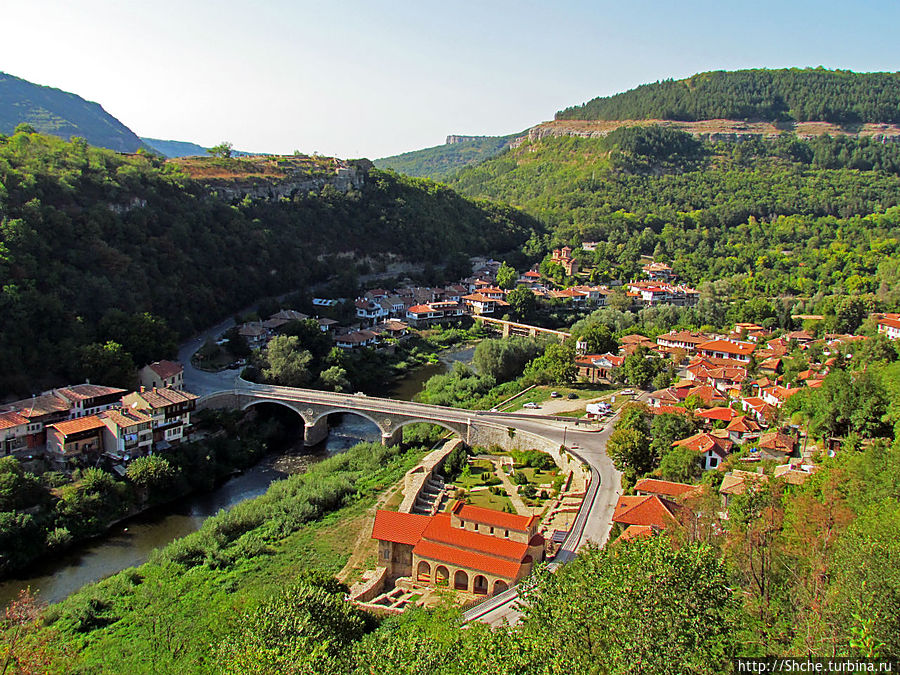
[[838, 96], [57, 112], [87, 234], [781, 217], [441, 161]]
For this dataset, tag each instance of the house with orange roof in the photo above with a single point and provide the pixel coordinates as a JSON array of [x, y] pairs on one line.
[[637, 532], [647, 511], [776, 445], [889, 326], [663, 488], [163, 374], [727, 349], [719, 414], [762, 411], [13, 433], [712, 449], [796, 472], [469, 548], [598, 367], [658, 271], [662, 397], [776, 395], [75, 443], [479, 304], [742, 429], [682, 339], [707, 394]]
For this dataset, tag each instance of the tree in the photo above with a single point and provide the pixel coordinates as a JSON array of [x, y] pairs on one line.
[[145, 337], [598, 339], [507, 276], [629, 450], [504, 359], [639, 367], [681, 465], [288, 364], [668, 428], [335, 379], [108, 364], [522, 303], [152, 474], [556, 366], [642, 606], [223, 149], [619, 300]]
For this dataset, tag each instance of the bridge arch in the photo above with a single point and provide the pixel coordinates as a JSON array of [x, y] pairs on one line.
[[274, 401], [321, 415]]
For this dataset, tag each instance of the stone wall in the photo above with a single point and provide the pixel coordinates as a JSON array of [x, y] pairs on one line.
[[416, 478]]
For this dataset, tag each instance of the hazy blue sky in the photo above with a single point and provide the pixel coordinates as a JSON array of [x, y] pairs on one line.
[[364, 78]]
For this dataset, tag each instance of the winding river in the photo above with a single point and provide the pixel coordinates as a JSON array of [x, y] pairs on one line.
[[130, 543]]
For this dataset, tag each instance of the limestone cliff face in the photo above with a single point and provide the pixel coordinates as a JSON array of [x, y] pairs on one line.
[[345, 177], [456, 138], [712, 130]]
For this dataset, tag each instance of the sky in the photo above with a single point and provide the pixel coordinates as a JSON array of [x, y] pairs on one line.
[[369, 78]]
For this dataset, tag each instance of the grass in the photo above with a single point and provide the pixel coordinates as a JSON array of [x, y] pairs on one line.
[[485, 499], [538, 476]]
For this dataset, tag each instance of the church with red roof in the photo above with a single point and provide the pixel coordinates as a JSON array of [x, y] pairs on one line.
[[469, 548]]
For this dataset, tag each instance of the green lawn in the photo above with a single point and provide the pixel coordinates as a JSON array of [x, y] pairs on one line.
[[487, 500]]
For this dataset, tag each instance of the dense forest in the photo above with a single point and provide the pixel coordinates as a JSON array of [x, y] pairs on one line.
[[773, 217], [99, 246], [442, 160], [785, 95]]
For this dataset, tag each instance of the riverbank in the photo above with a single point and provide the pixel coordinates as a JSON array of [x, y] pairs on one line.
[[131, 540], [196, 589]]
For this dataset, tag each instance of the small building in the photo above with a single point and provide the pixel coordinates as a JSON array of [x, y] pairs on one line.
[[162, 374], [738, 482], [727, 349], [646, 512], [890, 326], [658, 271], [663, 488], [13, 433], [598, 367], [712, 449], [75, 443]]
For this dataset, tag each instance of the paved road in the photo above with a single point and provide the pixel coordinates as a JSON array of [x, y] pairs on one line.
[[199, 381]]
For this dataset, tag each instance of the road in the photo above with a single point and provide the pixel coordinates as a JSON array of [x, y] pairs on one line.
[[594, 519], [199, 381]]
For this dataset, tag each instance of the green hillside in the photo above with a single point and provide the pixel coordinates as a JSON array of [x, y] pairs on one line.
[[441, 161], [57, 112], [839, 96], [85, 232], [782, 217]]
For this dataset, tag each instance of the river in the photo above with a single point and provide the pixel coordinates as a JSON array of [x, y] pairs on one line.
[[130, 544]]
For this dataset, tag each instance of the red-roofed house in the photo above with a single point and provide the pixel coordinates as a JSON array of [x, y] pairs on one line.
[[777, 395], [776, 445], [73, 443], [596, 367], [13, 433], [470, 548], [889, 326], [713, 449], [162, 374], [88, 399], [727, 349], [663, 488], [716, 415], [742, 429], [647, 510]]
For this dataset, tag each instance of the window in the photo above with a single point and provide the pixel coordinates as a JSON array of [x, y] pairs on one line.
[[492, 530], [506, 534], [476, 527]]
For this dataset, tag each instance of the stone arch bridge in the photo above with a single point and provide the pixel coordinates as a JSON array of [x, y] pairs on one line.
[[390, 416]]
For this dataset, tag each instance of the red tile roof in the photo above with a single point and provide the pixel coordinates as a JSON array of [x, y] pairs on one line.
[[893, 323], [648, 510], [507, 521], [636, 531], [664, 488], [668, 410], [402, 528], [728, 347], [469, 559], [82, 392], [11, 419], [706, 442], [441, 531], [724, 414], [88, 423], [166, 369], [419, 309]]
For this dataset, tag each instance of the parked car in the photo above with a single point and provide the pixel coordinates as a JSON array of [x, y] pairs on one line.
[[572, 396], [554, 394], [531, 404]]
